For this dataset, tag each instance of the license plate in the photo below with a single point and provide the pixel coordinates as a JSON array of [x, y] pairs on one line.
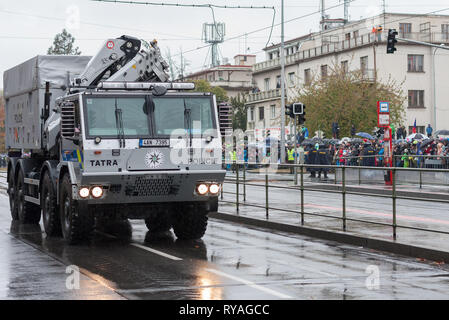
[[154, 143]]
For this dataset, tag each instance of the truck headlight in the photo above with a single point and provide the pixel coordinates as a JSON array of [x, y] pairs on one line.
[[83, 192], [202, 189], [214, 188], [97, 192]]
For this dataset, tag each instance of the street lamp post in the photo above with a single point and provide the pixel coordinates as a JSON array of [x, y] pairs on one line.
[[282, 86]]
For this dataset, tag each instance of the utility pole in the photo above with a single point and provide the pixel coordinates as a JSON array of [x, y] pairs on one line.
[[282, 87]]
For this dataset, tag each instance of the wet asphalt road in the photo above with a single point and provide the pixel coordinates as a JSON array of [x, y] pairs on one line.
[[231, 262], [410, 213]]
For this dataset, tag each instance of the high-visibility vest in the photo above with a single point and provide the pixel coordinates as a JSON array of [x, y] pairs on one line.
[[291, 154], [233, 156]]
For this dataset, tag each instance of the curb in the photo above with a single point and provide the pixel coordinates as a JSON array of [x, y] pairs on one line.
[[370, 243]]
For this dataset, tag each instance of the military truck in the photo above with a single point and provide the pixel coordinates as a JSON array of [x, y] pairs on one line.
[[110, 137]]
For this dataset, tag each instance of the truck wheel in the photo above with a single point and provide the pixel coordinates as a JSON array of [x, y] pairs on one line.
[[190, 223], [12, 196], [213, 204], [50, 214], [77, 222], [28, 212], [158, 223]]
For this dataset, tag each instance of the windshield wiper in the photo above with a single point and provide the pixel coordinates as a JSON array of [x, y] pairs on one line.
[[119, 124], [188, 125]]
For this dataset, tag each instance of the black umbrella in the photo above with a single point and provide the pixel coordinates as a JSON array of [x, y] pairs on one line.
[[426, 142], [307, 141], [442, 132]]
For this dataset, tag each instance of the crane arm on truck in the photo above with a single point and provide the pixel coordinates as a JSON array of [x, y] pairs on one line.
[[124, 59]]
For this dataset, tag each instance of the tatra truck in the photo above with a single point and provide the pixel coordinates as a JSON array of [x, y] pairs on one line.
[[110, 137]]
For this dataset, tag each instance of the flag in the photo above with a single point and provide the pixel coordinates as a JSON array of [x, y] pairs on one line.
[[414, 127]]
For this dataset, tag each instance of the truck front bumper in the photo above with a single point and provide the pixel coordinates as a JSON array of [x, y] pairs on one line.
[[148, 186]]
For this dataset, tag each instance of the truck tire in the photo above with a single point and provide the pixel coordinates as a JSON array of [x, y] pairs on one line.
[[77, 222], [213, 204], [27, 212], [50, 213], [158, 223], [12, 196], [190, 223]]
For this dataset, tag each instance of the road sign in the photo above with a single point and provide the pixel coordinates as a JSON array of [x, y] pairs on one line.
[[383, 114], [383, 107], [383, 120]]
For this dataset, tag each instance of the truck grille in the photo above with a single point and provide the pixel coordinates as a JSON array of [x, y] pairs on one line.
[[68, 119], [145, 187]]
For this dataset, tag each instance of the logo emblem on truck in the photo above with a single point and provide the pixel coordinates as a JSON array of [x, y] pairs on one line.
[[154, 159]]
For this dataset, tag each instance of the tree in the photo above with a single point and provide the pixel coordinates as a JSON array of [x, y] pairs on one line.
[[240, 114], [348, 98], [204, 86], [171, 64], [63, 44], [2, 123]]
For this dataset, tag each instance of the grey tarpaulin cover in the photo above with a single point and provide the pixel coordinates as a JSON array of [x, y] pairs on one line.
[[33, 74]]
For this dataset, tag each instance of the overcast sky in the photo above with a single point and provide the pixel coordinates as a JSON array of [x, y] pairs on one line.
[[27, 27]]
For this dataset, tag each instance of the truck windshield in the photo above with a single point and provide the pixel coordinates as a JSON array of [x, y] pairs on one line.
[[170, 114], [101, 118]]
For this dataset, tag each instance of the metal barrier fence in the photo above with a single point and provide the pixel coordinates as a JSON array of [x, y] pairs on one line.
[[412, 161], [343, 191]]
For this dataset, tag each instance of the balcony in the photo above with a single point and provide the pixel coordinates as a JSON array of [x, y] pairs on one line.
[[368, 75], [336, 46], [264, 95], [231, 84]]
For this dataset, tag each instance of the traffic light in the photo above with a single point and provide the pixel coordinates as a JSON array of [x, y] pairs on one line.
[[289, 111], [298, 108], [302, 116], [392, 33]]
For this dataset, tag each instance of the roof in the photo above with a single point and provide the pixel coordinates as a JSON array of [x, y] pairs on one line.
[[219, 68]]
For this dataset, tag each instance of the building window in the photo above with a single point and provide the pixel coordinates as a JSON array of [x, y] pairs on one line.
[[364, 64], [273, 111], [278, 82], [424, 27], [324, 71], [356, 34], [445, 31], [419, 129], [405, 29], [261, 113], [415, 63], [307, 77], [220, 74], [345, 66], [291, 78], [266, 84], [251, 114], [348, 36], [416, 98]]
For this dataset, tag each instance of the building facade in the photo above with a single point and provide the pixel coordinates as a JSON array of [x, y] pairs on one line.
[[235, 79], [423, 70]]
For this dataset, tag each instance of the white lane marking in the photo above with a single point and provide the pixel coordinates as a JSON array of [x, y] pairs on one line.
[[249, 283], [163, 254]]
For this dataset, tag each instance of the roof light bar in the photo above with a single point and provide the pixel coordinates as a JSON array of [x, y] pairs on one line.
[[115, 85]]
